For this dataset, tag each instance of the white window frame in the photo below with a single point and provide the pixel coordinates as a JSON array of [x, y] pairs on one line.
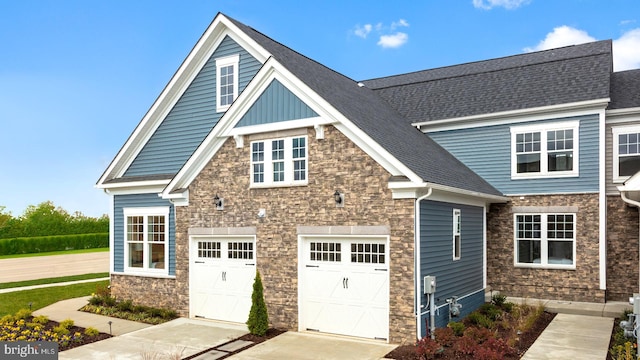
[[457, 234], [288, 163], [544, 243], [146, 212], [222, 62], [616, 132], [543, 129]]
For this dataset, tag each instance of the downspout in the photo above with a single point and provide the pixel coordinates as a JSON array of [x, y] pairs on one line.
[[623, 194], [416, 245]]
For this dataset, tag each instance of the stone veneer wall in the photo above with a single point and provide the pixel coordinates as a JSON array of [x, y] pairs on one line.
[[334, 163], [622, 249], [581, 284], [150, 291]]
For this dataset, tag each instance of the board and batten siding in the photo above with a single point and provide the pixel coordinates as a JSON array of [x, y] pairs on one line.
[[192, 117], [463, 278], [487, 151], [121, 202], [275, 104]]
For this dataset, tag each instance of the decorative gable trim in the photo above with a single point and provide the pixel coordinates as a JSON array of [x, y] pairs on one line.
[[186, 73]]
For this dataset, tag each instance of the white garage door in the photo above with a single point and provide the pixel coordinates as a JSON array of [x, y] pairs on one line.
[[221, 275], [345, 286]]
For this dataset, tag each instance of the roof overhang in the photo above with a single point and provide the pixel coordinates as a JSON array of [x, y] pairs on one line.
[[413, 190]]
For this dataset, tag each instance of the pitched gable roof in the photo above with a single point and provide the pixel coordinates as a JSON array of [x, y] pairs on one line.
[[625, 89], [364, 108], [559, 76]]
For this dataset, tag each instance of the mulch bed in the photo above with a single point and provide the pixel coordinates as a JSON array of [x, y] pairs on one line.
[[85, 339], [408, 352]]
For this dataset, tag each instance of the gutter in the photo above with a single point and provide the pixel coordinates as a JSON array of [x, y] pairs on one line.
[[418, 304]]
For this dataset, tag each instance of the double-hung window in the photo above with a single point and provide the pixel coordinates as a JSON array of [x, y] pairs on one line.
[[626, 152], [226, 81], [545, 240], [279, 162], [549, 150], [457, 226], [146, 239]]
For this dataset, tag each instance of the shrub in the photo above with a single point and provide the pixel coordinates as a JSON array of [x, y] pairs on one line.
[[457, 327], [29, 245], [491, 311], [258, 322], [498, 299], [427, 348], [478, 335], [91, 331], [480, 319], [126, 305], [7, 319], [40, 319], [464, 346], [507, 307], [61, 330], [445, 336], [68, 323], [23, 314]]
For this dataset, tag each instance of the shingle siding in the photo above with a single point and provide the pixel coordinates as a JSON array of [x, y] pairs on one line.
[[192, 117], [487, 151], [121, 202], [463, 277]]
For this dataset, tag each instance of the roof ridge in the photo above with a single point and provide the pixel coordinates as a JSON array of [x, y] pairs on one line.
[[471, 63]]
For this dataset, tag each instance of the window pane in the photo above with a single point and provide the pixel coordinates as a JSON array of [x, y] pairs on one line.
[[135, 255], [258, 173], [529, 251], [628, 165], [528, 163], [560, 161], [561, 252], [278, 171], [156, 256], [257, 152], [226, 85]]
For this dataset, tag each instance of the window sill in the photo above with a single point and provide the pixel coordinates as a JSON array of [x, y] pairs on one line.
[[545, 267], [151, 274], [276, 185], [543, 176]]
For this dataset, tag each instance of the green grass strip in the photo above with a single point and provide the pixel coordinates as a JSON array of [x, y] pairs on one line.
[[14, 301], [67, 252], [53, 280]]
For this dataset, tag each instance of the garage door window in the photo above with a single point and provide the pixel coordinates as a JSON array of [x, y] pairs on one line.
[[367, 253], [325, 251], [209, 249], [241, 250]]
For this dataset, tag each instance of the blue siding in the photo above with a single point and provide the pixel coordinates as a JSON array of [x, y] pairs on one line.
[[460, 278], [276, 104], [192, 118], [140, 200], [487, 151]]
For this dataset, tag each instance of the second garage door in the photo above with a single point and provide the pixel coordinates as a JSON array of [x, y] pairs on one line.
[[344, 285]]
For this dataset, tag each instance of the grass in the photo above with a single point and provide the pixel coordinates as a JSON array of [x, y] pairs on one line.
[[65, 252], [10, 303], [53, 280]]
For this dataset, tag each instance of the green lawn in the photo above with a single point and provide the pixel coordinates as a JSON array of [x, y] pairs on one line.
[[53, 280], [66, 252], [14, 301]]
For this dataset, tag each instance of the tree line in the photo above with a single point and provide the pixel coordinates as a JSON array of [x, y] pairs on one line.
[[46, 219]]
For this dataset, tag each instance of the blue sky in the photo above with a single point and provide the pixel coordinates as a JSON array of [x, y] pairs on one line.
[[77, 76]]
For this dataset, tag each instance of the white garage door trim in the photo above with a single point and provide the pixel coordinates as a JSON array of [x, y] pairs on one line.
[[341, 296], [221, 275]]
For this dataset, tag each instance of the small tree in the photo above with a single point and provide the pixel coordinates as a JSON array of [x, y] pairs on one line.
[[258, 322]]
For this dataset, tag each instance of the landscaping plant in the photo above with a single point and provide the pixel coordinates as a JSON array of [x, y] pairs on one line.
[[258, 321]]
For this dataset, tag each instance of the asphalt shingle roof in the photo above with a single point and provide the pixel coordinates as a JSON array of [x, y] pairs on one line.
[[558, 76], [377, 119], [625, 89]]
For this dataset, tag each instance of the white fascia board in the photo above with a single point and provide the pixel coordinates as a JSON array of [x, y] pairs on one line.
[[514, 116], [132, 185], [225, 128], [615, 113], [278, 126], [136, 189], [188, 70], [411, 190], [468, 193]]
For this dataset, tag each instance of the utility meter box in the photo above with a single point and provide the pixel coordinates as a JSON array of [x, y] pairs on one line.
[[429, 284]]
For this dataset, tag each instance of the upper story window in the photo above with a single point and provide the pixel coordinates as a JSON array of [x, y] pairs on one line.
[[277, 162], [146, 239], [549, 150], [226, 81], [545, 240], [457, 226], [626, 152]]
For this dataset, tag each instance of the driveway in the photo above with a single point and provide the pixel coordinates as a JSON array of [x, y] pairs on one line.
[[40, 267]]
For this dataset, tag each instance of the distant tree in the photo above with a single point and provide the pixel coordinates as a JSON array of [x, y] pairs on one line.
[[4, 216]]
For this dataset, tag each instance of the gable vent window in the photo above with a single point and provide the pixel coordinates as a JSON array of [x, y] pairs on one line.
[[279, 162], [226, 81]]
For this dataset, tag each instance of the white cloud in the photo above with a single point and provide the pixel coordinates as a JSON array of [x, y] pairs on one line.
[[388, 36], [507, 4], [393, 41], [562, 36], [363, 31], [626, 49]]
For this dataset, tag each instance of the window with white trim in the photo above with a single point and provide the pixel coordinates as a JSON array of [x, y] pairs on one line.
[[549, 150], [226, 81], [146, 239], [279, 162], [457, 226], [626, 152], [545, 240]]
